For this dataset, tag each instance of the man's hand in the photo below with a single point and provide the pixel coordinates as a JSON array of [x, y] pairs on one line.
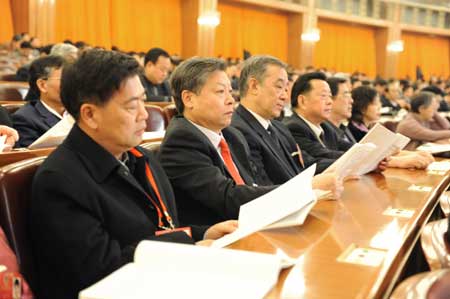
[[11, 137], [413, 161], [328, 182], [221, 229]]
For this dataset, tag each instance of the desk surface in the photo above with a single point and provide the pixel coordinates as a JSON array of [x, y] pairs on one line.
[[333, 226]]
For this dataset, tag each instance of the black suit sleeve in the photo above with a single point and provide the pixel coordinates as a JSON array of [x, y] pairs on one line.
[[27, 132], [66, 231], [5, 118], [308, 142], [192, 172]]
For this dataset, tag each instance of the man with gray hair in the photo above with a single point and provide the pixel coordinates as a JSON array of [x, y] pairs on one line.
[[277, 157], [67, 51], [206, 161]]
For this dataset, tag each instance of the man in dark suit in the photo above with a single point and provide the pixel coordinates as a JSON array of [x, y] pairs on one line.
[[205, 160], [278, 158], [311, 103], [46, 109], [5, 118], [99, 194], [156, 68]]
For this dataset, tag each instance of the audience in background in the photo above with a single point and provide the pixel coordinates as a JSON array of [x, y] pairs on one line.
[[157, 66], [418, 124]]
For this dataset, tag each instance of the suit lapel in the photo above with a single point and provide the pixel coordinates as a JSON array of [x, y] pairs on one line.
[[263, 134], [308, 128], [47, 117]]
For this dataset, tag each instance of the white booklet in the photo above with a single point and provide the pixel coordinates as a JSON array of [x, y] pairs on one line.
[[56, 135], [365, 156], [434, 148], [170, 270], [2, 143], [287, 205]]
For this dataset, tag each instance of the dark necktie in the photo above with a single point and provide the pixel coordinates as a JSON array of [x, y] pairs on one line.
[[273, 135]]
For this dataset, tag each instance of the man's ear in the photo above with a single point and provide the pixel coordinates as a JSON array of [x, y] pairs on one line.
[[253, 86], [42, 85], [89, 115], [187, 97]]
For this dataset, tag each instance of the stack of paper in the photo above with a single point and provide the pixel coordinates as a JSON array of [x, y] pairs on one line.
[[2, 143], [434, 148], [170, 270], [287, 205], [365, 156], [56, 135]]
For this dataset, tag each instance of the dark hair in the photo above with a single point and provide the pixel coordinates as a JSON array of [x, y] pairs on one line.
[[380, 82], [334, 83], [362, 96], [256, 67], [433, 89], [16, 38], [153, 55], [191, 75], [354, 79], [80, 44], [46, 49], [26, 45], [41, 69], [67, 41], [303, 85], [423, 98], [94, 77]]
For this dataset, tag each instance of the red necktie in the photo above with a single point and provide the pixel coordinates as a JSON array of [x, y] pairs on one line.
[[226, 155]]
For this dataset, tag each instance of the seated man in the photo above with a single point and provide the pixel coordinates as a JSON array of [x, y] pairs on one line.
[[156, 68], [205, 160], [11, 137], [263, 92], [342, 111], [99, 194], [311, 105], [45, 110]]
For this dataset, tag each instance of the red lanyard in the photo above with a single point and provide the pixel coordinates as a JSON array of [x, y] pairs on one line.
[[151, 179]]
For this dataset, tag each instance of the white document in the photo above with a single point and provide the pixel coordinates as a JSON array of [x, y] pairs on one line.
[[352, 161], [439, 166], [2, 143], [56, 135], [274, 207], [170, 270], [434, 148], [387, 143]]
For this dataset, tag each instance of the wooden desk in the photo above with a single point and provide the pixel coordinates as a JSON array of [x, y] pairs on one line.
[[15, 156], [333, 226]]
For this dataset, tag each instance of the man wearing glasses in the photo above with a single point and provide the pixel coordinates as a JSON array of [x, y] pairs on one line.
[[44, 109]]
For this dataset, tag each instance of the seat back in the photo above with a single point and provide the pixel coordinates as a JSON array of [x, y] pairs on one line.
[[10, 93], [155, 120], [434, 246], [169, 112], [15, 194], [427, 285]]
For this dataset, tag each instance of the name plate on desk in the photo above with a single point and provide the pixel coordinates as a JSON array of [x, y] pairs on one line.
[[362, 256]]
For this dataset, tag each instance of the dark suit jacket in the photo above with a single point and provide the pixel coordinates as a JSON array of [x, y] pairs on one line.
[[309, 142], [157, 92], [88, 213], [5, 118], [204, 190], [344, 136], [32, 121], [273, 166]]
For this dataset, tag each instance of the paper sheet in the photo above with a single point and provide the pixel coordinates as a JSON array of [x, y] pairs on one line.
[[2, 143], [56, 135]]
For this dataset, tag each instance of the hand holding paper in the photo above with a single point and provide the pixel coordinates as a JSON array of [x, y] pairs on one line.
[[8, 137]]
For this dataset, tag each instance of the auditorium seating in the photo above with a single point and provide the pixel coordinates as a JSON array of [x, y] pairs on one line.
[[8, 92], [13, 107], [169, 112], [434, 245], [427, 285], [15, 194], [156, 120], [444, 202]]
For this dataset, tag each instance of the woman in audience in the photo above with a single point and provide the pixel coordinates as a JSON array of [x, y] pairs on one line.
[[365, 111], [420, 123]]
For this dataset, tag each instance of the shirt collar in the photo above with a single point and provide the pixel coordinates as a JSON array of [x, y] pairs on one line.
[[264, 122], [316, 129], [52, 111], [212, 136]]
